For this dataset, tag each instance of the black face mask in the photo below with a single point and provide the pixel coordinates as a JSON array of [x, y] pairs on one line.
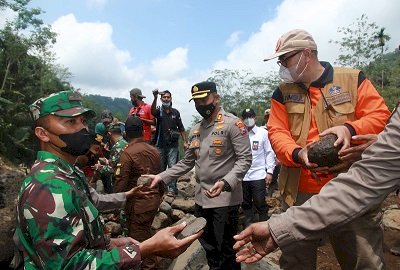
[[134, 103], [78, 143], [206, 110]]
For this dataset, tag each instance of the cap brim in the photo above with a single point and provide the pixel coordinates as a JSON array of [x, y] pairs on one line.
[[277, 54], [76, 111], [203, 95]]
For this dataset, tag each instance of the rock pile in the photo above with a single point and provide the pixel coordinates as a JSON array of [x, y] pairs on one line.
[[10, 183]]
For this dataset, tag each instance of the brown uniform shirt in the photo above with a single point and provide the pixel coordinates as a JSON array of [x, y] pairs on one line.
[[137, 159]]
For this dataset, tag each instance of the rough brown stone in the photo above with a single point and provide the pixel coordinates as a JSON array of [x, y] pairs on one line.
[[323, 152]]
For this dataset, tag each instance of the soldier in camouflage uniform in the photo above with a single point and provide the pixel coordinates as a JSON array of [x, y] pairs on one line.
[[119, 143], [58, 226], [106, 170]]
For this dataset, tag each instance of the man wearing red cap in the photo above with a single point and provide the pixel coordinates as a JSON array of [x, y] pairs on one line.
[[314, 100]]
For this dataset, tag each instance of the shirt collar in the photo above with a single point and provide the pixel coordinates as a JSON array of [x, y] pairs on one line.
[[254, 129], [65, 166], [326, 77], [218, 119]]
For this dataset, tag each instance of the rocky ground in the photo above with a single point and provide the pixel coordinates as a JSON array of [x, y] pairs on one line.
[[172, 210]]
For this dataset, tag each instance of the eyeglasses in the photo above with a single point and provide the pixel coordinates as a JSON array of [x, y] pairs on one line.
[[283, 62]]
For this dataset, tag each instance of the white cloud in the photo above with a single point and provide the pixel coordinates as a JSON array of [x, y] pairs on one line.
[[99, 67], [170, 65], [6, 15], [233, 39], [319, 17], [87, 49]]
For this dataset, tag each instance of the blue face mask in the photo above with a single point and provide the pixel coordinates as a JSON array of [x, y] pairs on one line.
[[166, 104]]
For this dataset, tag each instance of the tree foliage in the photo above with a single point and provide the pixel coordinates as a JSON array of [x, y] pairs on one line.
[[363, 45], [27, 73], [241, 89], [359, 44]]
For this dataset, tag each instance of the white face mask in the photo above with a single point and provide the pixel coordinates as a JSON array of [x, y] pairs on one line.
[[286, 73], [249, 122]]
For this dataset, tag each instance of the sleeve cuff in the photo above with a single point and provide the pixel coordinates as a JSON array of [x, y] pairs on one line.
[[280, 231], [295, 155], [351, 129]]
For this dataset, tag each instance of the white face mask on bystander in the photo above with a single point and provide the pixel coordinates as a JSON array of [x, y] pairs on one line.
[[249, 122]]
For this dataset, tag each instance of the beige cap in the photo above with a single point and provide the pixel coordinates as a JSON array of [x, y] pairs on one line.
[[267, 112], [294, 40]]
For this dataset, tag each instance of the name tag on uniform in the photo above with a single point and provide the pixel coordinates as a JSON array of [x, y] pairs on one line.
[[255, 145]]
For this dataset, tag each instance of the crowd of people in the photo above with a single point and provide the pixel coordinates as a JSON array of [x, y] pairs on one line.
[[237, 163]]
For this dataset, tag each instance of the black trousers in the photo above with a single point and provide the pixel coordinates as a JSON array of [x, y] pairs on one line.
[[254, 193], [217, 239]]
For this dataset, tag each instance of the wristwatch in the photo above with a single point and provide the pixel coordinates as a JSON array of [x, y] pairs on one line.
[[227, 187]]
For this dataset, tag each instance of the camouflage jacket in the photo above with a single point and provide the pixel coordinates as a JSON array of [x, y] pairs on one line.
[[115, 152], [58, 227]]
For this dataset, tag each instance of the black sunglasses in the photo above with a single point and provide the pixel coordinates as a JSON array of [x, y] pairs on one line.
[[283, 62]]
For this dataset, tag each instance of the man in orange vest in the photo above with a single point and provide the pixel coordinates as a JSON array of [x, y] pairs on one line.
[[313, 100]]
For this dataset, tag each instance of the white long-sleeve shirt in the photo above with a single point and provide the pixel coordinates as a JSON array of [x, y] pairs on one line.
[[263, 155]]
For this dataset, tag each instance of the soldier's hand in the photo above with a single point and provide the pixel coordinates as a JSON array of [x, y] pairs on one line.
[[254, 242], [155, 179], [164, 243], [215, 190], [343, 134]]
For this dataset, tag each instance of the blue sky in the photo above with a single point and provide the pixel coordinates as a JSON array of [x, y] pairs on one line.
[[112, 46], [153, 28]]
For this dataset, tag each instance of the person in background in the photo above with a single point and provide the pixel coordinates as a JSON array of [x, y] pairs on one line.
[[142, 110], [137, 159], [219, 149], [169, 129], [259, 176], [271, 187], [314, 100], [58, 226]]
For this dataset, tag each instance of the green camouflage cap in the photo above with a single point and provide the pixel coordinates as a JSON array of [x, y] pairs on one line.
[[63, 104]]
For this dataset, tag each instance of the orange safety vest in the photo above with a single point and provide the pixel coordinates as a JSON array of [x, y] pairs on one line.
[[335, 107]]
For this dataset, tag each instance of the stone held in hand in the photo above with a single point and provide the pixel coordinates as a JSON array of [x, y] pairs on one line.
[[323, 152], [144, 180], [193, 226]]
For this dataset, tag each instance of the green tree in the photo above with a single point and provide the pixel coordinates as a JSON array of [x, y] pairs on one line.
[[27, 72], [382, 38], [241, 89], [358, 45]]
